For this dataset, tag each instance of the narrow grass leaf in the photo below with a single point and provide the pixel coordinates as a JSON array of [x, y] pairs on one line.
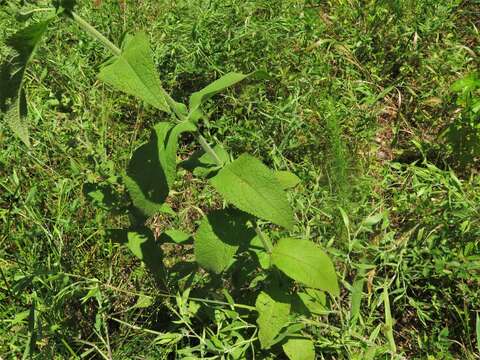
[[305, 262], [388, 321], [477, 330], [249, 185], [134, 73]]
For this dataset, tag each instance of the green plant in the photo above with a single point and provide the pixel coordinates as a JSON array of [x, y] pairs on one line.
[[463, 134], [229, 239]]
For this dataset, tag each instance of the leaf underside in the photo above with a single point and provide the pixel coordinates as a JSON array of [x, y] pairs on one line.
[[13, 103], [252, 187]]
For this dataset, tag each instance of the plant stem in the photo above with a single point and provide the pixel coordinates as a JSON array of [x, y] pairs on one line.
[[95, 33], [266, 242], [117, 52], [208, 149]]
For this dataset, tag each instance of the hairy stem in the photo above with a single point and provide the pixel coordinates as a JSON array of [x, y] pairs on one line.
[[265, 241], [95, 33], [203, 143], [208, 149]]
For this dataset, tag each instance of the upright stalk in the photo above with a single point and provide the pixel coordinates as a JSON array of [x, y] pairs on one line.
[[172, 104], [95, 33]]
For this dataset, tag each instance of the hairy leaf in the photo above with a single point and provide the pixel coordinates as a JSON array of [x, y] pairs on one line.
[[146, 180], [287, 179], [273, 314], [133, 72], [299, 349], [199, 97], [168, 155], [13, 103], [249, 185], [219, 236], [304, 261]]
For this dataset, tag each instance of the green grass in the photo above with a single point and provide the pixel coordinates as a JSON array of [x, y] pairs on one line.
[[358, 98]]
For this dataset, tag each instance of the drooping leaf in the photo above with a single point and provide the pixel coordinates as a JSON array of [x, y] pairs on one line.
[[152, 169], [218, 238], [133, 72], [202, 164], [249, 185], [299, 349], [142, 244], [168, 155], [287, 179], [145, 179], [273, 314], [199, 97], [305, 262], [13, 103]]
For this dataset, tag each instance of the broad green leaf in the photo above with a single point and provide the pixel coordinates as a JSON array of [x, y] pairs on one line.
[[252, 187], [16, 118], [143, 301], [467, 84], [287, 179], [299, 349], [305, 262], [134, 73], [146, 180], [199, 97], [273, 315], [13, 103], [142, 244], [218, 238], [175, 235], [313, 300]]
